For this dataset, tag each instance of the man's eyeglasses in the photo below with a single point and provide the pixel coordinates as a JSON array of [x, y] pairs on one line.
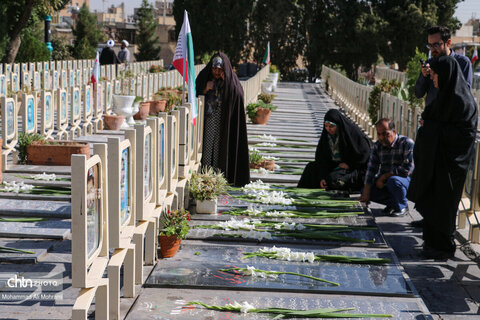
[[436, 45]]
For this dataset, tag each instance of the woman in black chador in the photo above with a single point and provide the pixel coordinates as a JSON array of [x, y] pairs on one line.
[[225, 144], [341, 158], [442, 153]]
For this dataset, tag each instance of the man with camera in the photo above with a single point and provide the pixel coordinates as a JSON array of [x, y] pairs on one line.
[[439, 45]]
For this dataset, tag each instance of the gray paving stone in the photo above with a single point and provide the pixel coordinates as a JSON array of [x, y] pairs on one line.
[[49, 229], [188, 270], [30, 208], [171, 304], [39, 247]]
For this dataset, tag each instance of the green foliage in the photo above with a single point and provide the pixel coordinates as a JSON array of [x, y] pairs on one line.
[[413, 71], [216, 26], [265, 97], [32, 49], [156, 69], [87, 35], [19, 15], [253, 107], [24, 140], [61, 49], [147, 39], [282, 23], [274, 69], [175, 223], [254, 156], [208, 184], [375, 95], [206, 57]]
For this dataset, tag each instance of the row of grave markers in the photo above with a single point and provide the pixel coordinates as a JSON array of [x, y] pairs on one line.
[[76, 111], [118, 196], [62, 74], [135, 181]]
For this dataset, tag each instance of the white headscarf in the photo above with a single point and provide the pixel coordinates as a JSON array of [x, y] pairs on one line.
[[125, 42], [110, 43]]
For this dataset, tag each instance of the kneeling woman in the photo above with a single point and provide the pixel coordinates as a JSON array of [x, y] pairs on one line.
[[341, 158]]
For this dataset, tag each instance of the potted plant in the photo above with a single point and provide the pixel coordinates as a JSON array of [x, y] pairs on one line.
[[174, 228], [259, 112], [33, 148], [257, 161], [143, 110], [113, 121], [205, 187], [265, 97], [156, 69]]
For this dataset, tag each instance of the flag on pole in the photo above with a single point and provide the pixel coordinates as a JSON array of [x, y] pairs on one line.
[[475, 55], [184, 57], [266, 57], [95, 71]]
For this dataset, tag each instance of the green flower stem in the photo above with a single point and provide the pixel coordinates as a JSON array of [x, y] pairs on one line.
[[21, 219], [282, 272], [11, 250], [284, 313], [323, 257]]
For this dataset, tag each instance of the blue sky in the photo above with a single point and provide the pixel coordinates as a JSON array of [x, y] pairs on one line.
[[463, 13]]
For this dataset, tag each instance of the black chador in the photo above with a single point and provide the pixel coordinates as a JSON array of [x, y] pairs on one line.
[[443, 150], [225, 130], [351, 147]]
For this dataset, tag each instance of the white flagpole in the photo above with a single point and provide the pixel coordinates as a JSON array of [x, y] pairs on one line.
[[184, 48]]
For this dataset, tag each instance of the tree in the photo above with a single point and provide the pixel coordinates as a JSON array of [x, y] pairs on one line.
[[87, 35], [61, 49], [147, 39], [17, 15], [217, 25], [342, 32], [407, 23], [281, 23]]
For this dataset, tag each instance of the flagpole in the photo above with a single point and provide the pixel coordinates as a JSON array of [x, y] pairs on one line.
[[184, 58]]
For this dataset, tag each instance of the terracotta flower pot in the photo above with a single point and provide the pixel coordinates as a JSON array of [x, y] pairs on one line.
[[157, 106], [267, 164], [113, 122], [142, 113], [169, 245], [263, 114], [55, 152]]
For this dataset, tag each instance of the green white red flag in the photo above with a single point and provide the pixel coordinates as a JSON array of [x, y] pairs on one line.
[[183, 61]]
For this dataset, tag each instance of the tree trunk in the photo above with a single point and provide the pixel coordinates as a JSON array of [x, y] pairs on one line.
[[15, 41]]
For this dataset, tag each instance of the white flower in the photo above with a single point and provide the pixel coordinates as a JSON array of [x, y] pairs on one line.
[[270, 158], [268, 138], [276, 166], [266, 144], [16, 187], [276, 213], [234, 224], [256, 185], [44, 176], [273, 197], [244, 307], [310, 257], [250, 271]]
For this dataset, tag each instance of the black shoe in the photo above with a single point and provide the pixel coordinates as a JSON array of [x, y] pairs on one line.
[[417, 223], [432, 253], [388, 210], [400, 213]]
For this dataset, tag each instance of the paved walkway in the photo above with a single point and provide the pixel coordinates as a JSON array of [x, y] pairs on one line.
[[408, 288]]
